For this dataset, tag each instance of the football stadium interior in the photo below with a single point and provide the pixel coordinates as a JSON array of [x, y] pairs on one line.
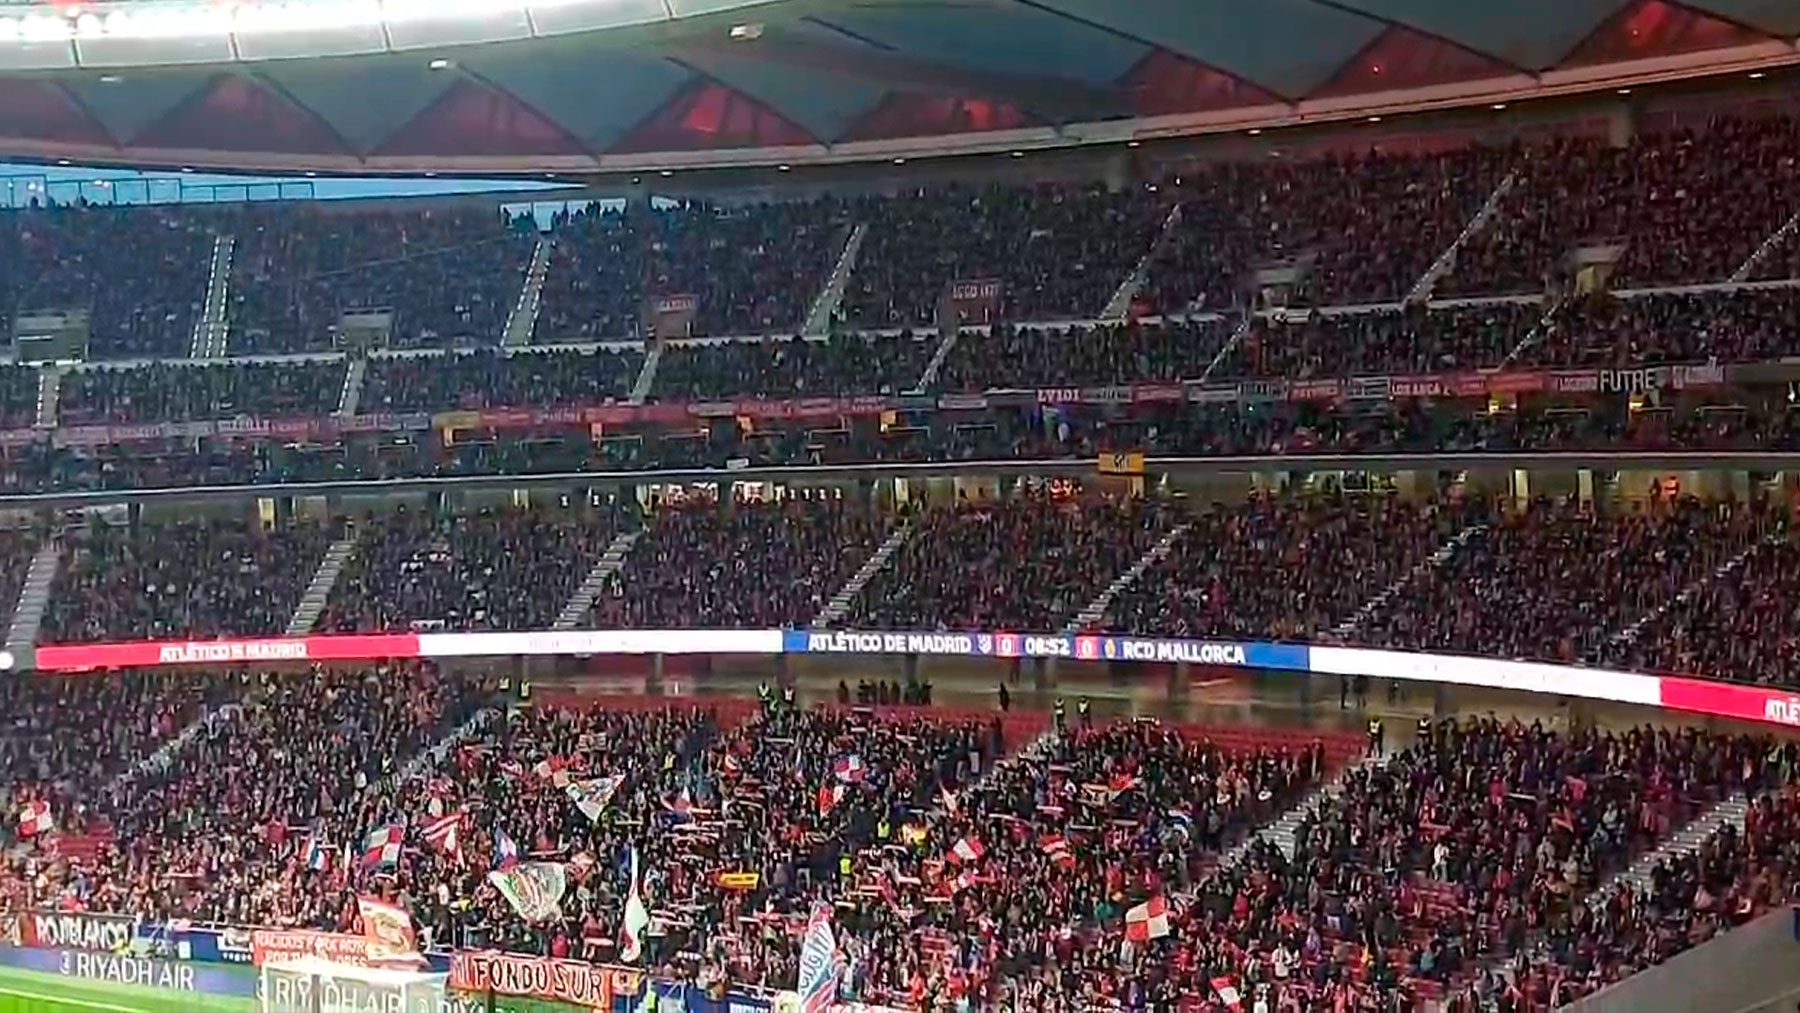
[[748, 506]]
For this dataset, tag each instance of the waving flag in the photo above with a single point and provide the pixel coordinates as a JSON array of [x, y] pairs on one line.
[[829, 796], [445, 834], [382, 846], [819, 968], [850, 769], [388, 928], [637, 918], [35, 819], [948, 798], [318, 854], [1147, 921], [1229, 994], [551, 769], [592, 795], [534, 889], [506, 853], [967, 850]]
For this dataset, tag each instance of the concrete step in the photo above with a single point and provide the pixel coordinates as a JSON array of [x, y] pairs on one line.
[[211, 330], [521, 321], [825, 305], [839, 603], [575, 610], [350, 398], [1095, 610], [318, 591], [34, 597]]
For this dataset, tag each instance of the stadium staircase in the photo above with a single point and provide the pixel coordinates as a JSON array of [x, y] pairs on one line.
[[1238, 334], [1732, 810], [351, 396], [212, 330], [312, 602], [1421, 290], [946, 341], [646, 378], [818, 316], [165, 754], [521, 323], [839, 603], [34, 597], [583, 599], [1094, 611], [49, 395], [1742, 274], [1119, 306], [1444, 554], [1281, 832], [1723, 572]]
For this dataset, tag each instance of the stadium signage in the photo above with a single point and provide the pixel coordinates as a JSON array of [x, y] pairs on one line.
[[567, 981], [105, 933], [122, 969], [232, 650]]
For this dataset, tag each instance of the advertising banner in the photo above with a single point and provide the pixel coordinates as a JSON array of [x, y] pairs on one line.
[[124, 969]]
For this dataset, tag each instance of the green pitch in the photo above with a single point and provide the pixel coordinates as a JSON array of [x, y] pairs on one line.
[[35, 992]]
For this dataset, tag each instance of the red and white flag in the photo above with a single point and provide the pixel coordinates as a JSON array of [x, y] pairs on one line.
[[1147, 921], [951, 805], [967, 850], [829, 796], [445, 834], [35, 819], [1228, 994]]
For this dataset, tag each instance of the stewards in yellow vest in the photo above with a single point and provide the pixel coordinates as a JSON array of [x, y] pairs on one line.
[[1375, 736]]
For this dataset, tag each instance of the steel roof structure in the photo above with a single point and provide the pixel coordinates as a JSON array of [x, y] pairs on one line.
[[648, 84]]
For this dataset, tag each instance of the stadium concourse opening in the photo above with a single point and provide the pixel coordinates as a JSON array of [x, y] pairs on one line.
[[1317, 570]]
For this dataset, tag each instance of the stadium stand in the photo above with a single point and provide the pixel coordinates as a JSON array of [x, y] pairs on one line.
[[165, 392], [138, 273], [187, 578], [18, 397], [449, 275], [1058, 252], [792, 367], [506, 569], [492, 379]]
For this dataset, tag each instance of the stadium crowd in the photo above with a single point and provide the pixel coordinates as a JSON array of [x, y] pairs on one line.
[[191, 578], [492, 379]]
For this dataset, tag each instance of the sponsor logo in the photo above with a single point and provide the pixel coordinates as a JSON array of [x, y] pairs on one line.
[[126, 970], [231, 650], [1782, 710]]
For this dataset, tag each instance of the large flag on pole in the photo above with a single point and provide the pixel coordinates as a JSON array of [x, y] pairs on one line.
[[591, 795], [534, 889], [445, 834], [506, 852], [818, 984], [637, 917]]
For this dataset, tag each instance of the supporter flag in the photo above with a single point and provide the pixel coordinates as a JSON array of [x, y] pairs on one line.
[[637, 918], [819, 968], [581, 865], [382, 846], [592, 795], [849, 769], [1147, 921], [506, 852], [951, 805], [551, 769], [318, 854], [829, 796], [388, 928], [967, 850], [534, 889], [445, 834], [35, 819], [1057, 847], [1228, 994], [683, 806]]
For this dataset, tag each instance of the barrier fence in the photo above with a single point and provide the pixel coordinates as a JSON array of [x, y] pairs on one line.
[[1698, 696]]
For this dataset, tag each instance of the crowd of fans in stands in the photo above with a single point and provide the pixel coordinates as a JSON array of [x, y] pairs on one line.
[[171, 392], [197, 578], [492, 379]]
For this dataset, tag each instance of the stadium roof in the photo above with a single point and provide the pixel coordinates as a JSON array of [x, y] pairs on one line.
[[584, 86]]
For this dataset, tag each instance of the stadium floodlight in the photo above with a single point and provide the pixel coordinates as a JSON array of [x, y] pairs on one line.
[[9, 29]]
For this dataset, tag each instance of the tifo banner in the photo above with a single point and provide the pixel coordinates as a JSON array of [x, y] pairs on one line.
[[78, 931], [338, 947], [570, 981]]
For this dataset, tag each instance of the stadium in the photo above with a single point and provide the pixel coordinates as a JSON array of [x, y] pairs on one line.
[[752, 506]]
